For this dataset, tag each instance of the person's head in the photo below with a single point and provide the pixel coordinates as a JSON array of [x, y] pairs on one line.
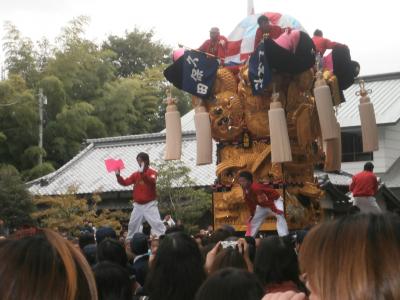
[[228, 257], [86, 239], [245, 179], [369, 166], [139, 244], [231, 284], [105, 232], [318, 32], [263, 23], [177, 270], [214, 33], [112, 281], [143, 157], [90, 253], [276, 261], [111, 250], [41, 264], [359, 254]]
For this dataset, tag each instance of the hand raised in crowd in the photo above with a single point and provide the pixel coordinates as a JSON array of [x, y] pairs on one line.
[[243, 249], [211, 257], [290, 295]]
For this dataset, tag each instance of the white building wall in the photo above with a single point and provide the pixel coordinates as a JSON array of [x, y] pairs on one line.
[[389, 151]]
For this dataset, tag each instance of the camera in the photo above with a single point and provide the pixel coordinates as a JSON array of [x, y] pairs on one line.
[[229, 244]]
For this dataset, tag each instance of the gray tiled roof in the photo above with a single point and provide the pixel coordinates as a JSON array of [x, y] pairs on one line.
[[342, 178], [87, 172]]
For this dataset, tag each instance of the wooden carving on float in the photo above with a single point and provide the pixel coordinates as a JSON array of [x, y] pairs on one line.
[[239, 124]]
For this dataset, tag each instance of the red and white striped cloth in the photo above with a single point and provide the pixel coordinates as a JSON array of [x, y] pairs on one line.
[[241, 40]]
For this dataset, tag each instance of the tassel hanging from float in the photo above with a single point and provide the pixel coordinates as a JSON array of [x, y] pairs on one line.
[[369, 128], [324, 103], [203, 135], [173, 145], [333, 152], [280, 145]]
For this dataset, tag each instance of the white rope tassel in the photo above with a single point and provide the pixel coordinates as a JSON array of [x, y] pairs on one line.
[[369, 129], [326, 114], [280, 145], [203, 136], [173, 145]]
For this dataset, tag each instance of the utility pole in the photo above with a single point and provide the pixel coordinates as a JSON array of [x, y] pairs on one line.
[[42, 101]]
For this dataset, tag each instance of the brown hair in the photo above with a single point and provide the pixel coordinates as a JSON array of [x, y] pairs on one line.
[[43, 265], [356, 257]]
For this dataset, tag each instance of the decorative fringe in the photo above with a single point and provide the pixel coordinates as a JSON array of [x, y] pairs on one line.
[[203, 136], [326, 114], [280, 145], [173, 127], [369, 129]]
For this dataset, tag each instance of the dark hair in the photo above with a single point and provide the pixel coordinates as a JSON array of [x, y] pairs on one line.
[[228, 257], [41, 264], [139, 244], [112, 281], [356, 68], [144, 156], [112, 250], [247, 175], [318, 32], [105, 232], [276, 261], [177, 270], [86, 239], [231, 284], [90, 253], [369, 166], [261, 19]]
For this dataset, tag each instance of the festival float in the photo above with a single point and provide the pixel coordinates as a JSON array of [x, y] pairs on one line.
[[271, 111]]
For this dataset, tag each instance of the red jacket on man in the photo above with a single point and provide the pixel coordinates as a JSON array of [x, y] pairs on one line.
[[321, 44], [274, 32], [144, 189], [364, 184], [216, 48], [262, 195]]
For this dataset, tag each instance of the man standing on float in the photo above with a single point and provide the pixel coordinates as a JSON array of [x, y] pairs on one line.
[[262, 202]]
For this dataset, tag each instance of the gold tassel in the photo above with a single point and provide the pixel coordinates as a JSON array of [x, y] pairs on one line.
[[203, 135], [369, 129], [280, 145], [173, 145], [326, 114]]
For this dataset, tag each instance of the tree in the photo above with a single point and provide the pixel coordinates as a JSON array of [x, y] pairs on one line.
[[136, 52], [177, 194], [20, 56], [68, 212], [15, 201]]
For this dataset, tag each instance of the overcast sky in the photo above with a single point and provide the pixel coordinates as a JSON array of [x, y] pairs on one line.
[[369, 28]]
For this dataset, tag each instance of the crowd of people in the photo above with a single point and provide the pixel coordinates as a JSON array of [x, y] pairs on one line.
[[354, 257]]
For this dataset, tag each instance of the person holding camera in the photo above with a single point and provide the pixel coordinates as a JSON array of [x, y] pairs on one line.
[[144, 197], [262, 202]]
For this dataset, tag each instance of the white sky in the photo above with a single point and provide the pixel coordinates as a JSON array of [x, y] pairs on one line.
[[369, 28]]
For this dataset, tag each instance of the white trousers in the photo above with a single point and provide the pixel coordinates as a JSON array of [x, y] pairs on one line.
[[149, 212], [367, 204], [263, 212]]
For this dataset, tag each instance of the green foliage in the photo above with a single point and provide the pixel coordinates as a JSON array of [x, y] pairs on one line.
[[136, 52], [15, 201], [67, 213], [38, 171], [177, 195], [87, 94]]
